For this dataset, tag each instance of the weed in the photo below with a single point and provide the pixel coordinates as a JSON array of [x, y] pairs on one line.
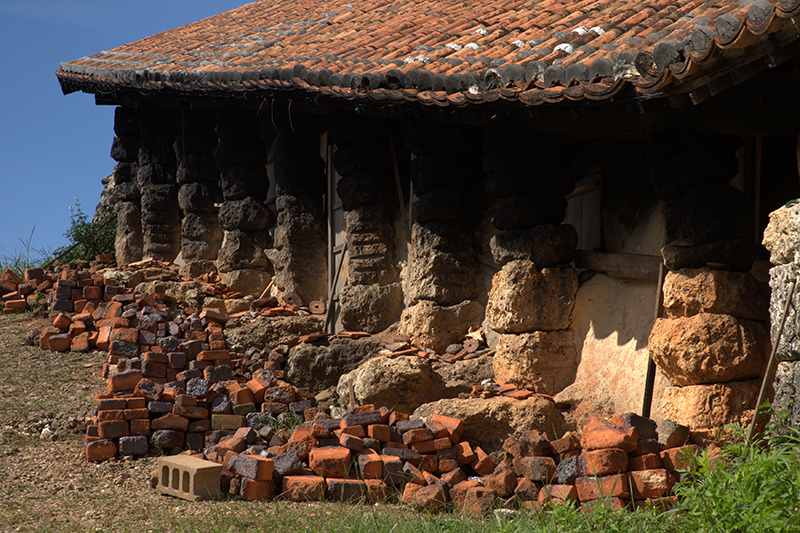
[[751, 487], [24, 257]]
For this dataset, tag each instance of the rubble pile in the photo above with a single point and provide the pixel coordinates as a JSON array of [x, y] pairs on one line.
[[371, 455]]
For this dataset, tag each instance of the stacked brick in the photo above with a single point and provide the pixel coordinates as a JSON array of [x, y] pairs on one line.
[[156, 177], [372, 298], [714, 342], [127, 193], [532, 296], [373, 455], [184, 393], [198, 179], [63, 291], [241, 155]]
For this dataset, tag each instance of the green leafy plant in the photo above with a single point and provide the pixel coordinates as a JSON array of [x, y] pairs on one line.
[[89, 239], [749, 487]]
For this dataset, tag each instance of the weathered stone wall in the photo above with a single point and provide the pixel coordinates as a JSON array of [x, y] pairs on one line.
[[713, 343], [782, 239], [198, 179], [156, 175], [446, 173], [299, 250], [532, 297], [372, 298], [241, 155], [129, 241]]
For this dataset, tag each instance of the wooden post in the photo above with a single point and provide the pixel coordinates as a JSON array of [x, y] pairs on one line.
[[650, 379]]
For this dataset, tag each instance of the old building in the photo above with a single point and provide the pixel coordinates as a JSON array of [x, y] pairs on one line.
[[447, 165]]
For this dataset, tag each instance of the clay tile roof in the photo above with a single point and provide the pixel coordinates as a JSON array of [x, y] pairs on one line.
[[446, 52]]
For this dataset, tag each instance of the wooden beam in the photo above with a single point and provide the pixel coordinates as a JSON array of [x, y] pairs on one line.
[[633, 266]]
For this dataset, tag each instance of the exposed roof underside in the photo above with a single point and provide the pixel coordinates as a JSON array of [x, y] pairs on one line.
[[448, 53]]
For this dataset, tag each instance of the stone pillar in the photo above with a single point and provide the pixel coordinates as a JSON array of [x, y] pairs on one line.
[[198, 179], [161, 216], [533, 294], [372, 298], [443, 262], [713, 343], [241, 155], [299, 252], [782, 239], [125, 150]]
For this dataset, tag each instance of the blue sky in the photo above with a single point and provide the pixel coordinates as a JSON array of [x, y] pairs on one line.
[[55, 147]]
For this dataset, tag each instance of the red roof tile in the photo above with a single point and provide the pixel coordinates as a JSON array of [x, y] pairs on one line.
[[446, 52]]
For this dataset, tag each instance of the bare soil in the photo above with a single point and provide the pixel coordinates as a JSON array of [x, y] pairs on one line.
[[46, 483]]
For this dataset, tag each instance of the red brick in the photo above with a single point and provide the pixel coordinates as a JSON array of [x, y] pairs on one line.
[[533, 443], [170, 421], [446, 465], [302, 440], [429, 463], [62, 322], [526, 490], [379, 432], [330, 461], [502, 481], [190, 412], [417, 435], [478, 501], [428, 498], [453, 424], [370, 465], [92, 292], [675, 459], [230, 444], [257, 386], [351, 441], [644, 462], [132, 414], [396, 416], [378, 491], [620, 504], [651, 483], [59, 342], [135, 402], [539, 469], [100, 450], [303, 488], [110, 414], [214, 355], [130, 335], [140, 426], [604, 462], [432, 446], [44, 337], [594, 488], [123, 381], [570, 441], [256, 490], [464, 453], [558, 494], [112, 429], [254, 467], [76, 328], [356, 431], [626, 438], [459, 491], [104, 338], [80, 343], [113, 310], [118, 322], [483, 464]]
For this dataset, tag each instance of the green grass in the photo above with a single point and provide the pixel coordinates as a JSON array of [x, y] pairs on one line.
[[751, 488], [23, 255]]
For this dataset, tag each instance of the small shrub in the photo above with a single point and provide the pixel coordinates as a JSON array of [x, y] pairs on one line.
[[99, 239]]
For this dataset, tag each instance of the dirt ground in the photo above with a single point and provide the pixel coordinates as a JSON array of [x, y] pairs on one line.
[[45, 481]]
